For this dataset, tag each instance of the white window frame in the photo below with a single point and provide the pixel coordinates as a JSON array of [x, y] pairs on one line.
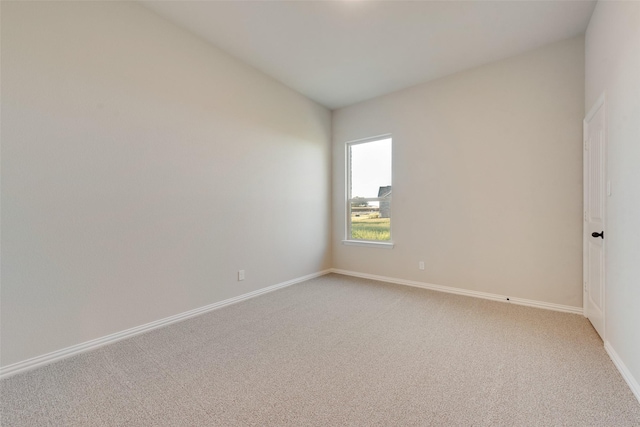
[[387, 244]]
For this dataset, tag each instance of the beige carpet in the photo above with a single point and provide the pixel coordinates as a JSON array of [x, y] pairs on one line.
[[338, 351]]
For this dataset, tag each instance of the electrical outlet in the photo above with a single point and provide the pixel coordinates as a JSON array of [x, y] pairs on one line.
[[240, 275], [421, 265]]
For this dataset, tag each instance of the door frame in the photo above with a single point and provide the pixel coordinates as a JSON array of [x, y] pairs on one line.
[[600, 103]]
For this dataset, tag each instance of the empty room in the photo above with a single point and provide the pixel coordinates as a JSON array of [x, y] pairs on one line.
[[319, 213]]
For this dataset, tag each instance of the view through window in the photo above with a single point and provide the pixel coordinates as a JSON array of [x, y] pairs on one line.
[[369, 190]]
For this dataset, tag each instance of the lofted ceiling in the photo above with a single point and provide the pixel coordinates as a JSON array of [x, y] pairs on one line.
[[342, 52]]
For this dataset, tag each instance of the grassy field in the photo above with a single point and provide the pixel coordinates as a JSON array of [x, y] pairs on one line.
[[365, 228]]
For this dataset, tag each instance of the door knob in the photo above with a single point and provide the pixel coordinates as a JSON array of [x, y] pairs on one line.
[[600, 234]]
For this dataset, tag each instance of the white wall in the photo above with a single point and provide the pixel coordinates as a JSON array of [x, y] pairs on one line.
[[613, 66], [141, 168], [487, 179]]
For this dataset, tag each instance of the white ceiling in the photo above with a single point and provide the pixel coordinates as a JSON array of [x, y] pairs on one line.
[[342, 52]]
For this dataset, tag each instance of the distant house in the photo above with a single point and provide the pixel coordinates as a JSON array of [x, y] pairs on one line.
[[385, 205]]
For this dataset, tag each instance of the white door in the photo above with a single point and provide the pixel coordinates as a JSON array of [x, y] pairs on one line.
[[594, 213]]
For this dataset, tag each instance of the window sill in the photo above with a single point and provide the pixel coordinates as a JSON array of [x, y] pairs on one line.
[[385, 245]]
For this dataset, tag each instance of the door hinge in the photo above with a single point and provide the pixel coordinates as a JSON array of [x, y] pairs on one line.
[[586, 146], [585, 216], [585, 287]]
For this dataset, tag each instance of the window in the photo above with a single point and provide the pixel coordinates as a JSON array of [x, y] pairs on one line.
[[369, 191]]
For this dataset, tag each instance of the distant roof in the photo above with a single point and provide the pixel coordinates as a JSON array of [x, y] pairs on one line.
[[384, 191]]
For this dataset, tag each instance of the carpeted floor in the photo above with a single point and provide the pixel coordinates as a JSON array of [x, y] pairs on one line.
[[338, 350]]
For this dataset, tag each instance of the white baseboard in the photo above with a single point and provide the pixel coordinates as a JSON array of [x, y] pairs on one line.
[[624, 371], [476, 294], [54, 356]]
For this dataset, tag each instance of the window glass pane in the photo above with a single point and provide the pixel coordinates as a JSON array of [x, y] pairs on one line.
[[367, 221], [370, 168]]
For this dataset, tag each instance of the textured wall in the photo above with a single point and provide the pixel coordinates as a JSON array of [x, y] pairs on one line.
[[613, 67], [141, 168], [487, 179]]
